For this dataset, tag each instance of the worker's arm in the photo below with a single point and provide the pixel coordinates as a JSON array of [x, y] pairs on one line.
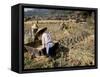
[[43, 41]]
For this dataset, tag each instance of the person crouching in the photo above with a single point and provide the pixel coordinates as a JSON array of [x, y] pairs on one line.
[[47, 43]]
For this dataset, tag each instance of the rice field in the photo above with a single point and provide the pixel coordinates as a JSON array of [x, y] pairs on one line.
[[76, 44]]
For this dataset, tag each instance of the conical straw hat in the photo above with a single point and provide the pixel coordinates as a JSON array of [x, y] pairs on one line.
[[34, 26], [41, 30]]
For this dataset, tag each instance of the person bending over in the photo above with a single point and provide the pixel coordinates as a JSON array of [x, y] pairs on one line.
[[47, 43]]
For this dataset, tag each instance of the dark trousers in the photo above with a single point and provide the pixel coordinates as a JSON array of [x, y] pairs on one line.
[[52, 50]]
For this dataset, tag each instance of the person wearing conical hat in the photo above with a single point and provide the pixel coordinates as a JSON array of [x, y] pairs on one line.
[[34, 29], [46, 40]]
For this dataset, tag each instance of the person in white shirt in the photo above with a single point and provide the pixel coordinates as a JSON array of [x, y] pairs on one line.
[[46, 40]]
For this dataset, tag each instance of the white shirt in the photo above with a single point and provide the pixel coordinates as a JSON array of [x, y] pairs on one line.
[[46, 38]]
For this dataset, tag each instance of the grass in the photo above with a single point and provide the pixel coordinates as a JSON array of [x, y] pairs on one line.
[[80, 54]]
